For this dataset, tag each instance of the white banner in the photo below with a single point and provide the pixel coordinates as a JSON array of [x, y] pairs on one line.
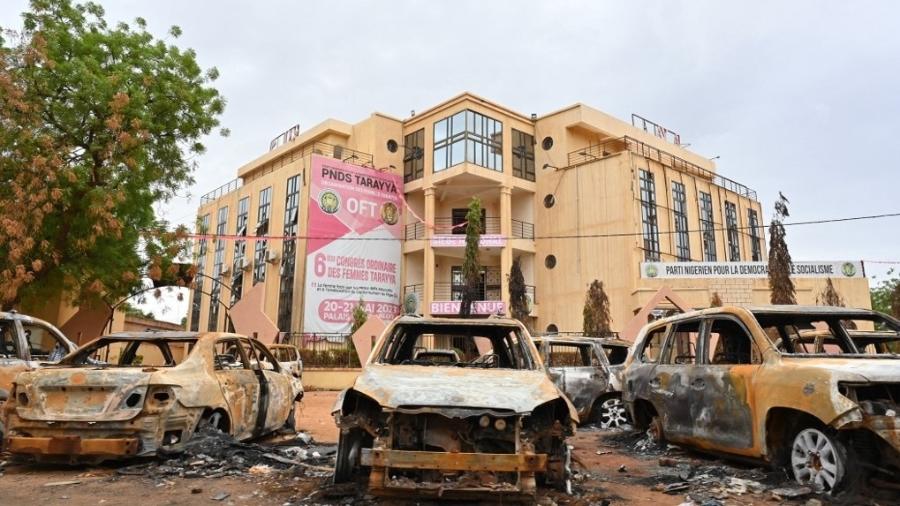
[[698, 270]]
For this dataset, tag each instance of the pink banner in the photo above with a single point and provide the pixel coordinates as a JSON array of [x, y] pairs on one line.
[[351, 202], [481, 307]]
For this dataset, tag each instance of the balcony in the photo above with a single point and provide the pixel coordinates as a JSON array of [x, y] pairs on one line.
[[449, 232]]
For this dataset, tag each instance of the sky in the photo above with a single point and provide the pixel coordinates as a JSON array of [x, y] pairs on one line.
[[798, 97]]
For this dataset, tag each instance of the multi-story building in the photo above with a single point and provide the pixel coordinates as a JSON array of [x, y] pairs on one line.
[[574, 195]]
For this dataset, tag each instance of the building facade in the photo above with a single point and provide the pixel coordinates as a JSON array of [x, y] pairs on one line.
[[574, 195]]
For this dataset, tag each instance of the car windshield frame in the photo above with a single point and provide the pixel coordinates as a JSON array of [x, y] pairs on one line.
[[82, 356], [403, 336], [837, 331]]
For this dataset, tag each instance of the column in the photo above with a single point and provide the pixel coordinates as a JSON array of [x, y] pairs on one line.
[[428, 267], [506, 254]]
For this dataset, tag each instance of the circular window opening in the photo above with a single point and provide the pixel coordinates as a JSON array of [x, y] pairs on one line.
[[392, 146], [552, 329], [550, 261], [547, 143], [549, 200]]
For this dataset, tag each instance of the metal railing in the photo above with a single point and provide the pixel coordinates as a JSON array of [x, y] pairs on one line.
[[522, 229], [324, 350], [414, 231], [446, 290], [613, 146], [226, 188], [449, 291], [446, 225]]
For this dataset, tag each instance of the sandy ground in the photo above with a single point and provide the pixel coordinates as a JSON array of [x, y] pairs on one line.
[[597, 460]]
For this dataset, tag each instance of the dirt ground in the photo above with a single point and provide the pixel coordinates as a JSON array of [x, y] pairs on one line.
[[608, 471]]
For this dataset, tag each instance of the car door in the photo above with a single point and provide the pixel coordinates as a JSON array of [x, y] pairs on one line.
[[578, 373], [239, 384], [278, 399], [43, 343], [670, 386], [722, 385]]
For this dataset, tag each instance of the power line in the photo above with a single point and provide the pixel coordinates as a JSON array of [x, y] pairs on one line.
[[542, 237]]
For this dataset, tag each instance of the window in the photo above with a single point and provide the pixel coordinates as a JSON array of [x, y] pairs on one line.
[[547, 143], [523, 155], [413, 156], [729, 344], [458, 220], [653, 345], [731, 225], [549, 200], [616, 354], [42, 344], [755, 240], [550, 261], [458, 283], [682, 241], [683, 343], [707, 227], [468, 136], [218, 260], [8, 344], [648, 216], [229, 356], [203, 228], [569, 355], [288, 254], [262, 228], [240, 250]]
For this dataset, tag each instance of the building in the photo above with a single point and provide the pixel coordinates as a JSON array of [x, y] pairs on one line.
[[575, 195]]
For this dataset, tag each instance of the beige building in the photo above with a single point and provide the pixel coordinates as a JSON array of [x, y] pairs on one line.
[[575, 195]]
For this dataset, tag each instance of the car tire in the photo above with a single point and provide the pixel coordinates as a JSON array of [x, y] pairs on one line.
[[609, 413], [346, 462], [215, 420], [656, 433], [819, 458]]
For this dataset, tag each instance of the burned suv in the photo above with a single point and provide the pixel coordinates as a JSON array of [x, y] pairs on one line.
[[490, 422], [812, 389]]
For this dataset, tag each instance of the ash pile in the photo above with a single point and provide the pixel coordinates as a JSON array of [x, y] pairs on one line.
[[213, 454]]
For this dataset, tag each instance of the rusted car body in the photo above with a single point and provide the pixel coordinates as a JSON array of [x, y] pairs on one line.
[[133, 394], [26, 343], [492, 422], [743, 381], [589, 371], [288, 357]]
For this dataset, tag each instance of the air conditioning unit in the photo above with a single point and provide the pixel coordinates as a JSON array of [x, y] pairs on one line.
[[271, 256], [226, 270], [246, 264]]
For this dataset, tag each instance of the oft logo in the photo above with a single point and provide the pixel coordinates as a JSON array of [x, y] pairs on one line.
[[329, 201]]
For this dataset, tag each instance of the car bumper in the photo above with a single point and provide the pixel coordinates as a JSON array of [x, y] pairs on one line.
[[73, 446]]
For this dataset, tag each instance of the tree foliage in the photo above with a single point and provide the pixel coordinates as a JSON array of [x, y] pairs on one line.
[[596, 311], [829, 295], [360, 316], [518, 298], [715, 300], [97, 124], [886, 295], [471, 269], [781, 286]]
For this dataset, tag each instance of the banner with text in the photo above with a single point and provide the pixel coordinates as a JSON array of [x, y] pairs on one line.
[[354, 248], [669, 270]]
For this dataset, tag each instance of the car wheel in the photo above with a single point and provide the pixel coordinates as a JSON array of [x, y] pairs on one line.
[[346, 463], [655, 431], [819, 460], [610, 414], [214, 421]]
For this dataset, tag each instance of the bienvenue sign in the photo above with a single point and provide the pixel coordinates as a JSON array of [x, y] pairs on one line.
[[670, 270]]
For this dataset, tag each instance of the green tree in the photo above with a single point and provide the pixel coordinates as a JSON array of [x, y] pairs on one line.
[[471, 270], [781, 286], [829, 295], [886, 294], [596, 311], [359, 316], [518, 298], [98, 124]]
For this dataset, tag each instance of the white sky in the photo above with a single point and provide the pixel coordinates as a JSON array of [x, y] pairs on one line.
[[800, 97]]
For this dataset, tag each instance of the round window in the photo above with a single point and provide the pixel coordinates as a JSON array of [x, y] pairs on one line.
[[552, 329], [392, 146], [547, 143], [550, 261], [549, 200]]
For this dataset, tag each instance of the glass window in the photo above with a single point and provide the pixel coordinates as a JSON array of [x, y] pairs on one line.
[[523, 155], [229, 356], [218, 260], [682, 240], [755, 236], [203, 228], [240, 250], [262, 229], [729, 344], [413, 156], [569, 355], [648, 216], [707, 227], [43, 344], [616, 354], [653, 345], [468, 136], [683, 343], [8, 344], [288, 254], [731, 226]]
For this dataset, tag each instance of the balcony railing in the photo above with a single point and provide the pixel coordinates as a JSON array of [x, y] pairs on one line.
[[520, 229], [612, 146], [414, 231], [228, 187], [446, 291], [447, 225]]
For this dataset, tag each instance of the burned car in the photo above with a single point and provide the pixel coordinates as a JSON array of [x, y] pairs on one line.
[[491, 422], [133, 394], [589, 371], [27, 342], [288, 357], [804, 388]]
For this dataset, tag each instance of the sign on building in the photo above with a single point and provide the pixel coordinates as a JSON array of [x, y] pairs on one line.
[[698, 270], [354, 248]]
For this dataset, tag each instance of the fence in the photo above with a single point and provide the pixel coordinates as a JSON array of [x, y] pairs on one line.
[[324, 350]]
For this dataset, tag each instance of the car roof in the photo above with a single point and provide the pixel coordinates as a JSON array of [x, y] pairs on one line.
[[479, 322], [604, 341], [169, 335], [15, 315], [783, 309]]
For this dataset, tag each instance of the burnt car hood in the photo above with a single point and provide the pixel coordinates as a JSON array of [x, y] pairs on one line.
[[81, 393], [410, 386], [877, 370]]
